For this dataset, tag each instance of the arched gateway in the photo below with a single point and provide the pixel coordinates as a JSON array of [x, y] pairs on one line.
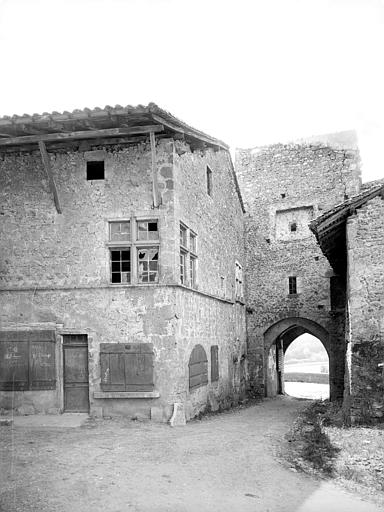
[[280, 335]]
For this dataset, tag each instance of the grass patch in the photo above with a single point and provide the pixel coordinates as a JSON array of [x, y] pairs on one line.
[[321, 445]]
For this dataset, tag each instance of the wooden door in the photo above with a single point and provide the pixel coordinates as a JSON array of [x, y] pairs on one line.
[[76, 385]]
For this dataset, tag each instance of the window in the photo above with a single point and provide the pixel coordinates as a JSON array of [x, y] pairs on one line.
[[292, 285], [209, 181], [182, 267], [293, 227], [198, 368], [214, 363], [188, 257], [126, 367], [147, 230], [121, 266], [239, 285], [27, 360], [95, 170], [134, 251]]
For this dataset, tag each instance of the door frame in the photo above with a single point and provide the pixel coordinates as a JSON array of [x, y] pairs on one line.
[[90, 337]]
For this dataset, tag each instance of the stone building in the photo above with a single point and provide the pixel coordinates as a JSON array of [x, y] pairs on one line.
[[291, 288], [121, 286], [351, 235]]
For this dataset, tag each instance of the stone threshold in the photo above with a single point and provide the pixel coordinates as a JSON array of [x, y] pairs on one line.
[[126, 394]]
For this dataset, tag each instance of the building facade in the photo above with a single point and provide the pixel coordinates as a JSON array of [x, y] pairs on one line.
[[351, 236], [121, 287]]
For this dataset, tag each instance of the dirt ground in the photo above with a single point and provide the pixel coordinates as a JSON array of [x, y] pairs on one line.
[[226, 462]]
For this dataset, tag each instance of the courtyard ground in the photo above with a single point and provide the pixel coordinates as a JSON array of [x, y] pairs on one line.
[[226, 462]]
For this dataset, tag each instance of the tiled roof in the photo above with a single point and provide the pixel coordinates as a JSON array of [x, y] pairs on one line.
[[99, 118]]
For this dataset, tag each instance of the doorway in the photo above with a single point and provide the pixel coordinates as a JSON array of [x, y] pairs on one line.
[[75, 365]]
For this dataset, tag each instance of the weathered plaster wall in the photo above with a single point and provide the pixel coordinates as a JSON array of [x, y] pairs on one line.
[[282, 184], [365, 246]]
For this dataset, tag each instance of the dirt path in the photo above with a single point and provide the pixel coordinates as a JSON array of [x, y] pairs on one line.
[[221, 463]]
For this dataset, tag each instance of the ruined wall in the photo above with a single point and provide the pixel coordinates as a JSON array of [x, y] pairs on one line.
[[365, 246], [284, 185]]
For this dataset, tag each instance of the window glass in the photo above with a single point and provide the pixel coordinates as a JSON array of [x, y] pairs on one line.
[[121, 266], [147, 230], [183, 235], [120, 231], [147, 261]]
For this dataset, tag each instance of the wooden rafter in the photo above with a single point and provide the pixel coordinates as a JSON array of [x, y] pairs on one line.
[[155, 186], [86, 134], [48, 170]]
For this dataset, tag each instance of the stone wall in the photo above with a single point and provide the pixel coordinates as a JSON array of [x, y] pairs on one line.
[[55, 270], [365, 246], [284, 184]]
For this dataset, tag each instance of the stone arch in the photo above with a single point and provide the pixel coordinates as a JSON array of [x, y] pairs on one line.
[[290, 328], [283, 333]]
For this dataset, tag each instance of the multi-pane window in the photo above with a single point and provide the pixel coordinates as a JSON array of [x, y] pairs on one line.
[[292, 285], [239, 284], [188, 256], [134, 251], [147, 230], [121, 265]]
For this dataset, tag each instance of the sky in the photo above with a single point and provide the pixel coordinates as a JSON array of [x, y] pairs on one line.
[[249, 72]]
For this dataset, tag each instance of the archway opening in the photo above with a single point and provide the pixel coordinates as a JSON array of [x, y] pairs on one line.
[[306, 368]]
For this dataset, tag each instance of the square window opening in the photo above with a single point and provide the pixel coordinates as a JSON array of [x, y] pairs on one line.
[[293, 227], [95, 170]]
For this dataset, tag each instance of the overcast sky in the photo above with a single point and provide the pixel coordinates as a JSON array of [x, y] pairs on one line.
[[248, 72]]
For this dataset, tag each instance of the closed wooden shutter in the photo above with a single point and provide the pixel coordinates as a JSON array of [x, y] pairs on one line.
[[214, 363], [198, 368], [27, 360], [126, 367]]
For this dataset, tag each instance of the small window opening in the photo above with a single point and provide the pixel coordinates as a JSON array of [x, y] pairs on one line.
[[292, 284], [95, 170], [209, 181], [282, 196], [293, 227]]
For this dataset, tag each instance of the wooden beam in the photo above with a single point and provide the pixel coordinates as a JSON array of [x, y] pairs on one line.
[[86, 134], [155, 186], [48, 170], [187, 132]]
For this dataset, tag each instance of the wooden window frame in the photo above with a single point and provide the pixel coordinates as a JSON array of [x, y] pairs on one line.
[[188, 251], [134, 244]]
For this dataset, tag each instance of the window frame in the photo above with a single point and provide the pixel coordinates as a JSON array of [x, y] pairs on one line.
[[134, 245], [239, 282], [292, 286], [188, 252]]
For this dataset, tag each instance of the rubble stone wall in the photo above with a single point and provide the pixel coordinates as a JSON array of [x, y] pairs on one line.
[[365, 245], [284, 184]]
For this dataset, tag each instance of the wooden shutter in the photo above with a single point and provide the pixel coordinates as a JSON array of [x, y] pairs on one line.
[[27, 360], [214, 363], [198, 368], [126, 366]]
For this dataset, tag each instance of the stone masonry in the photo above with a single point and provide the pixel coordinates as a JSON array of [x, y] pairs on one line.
[[284, 186], [55, 269], [365, 376]]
